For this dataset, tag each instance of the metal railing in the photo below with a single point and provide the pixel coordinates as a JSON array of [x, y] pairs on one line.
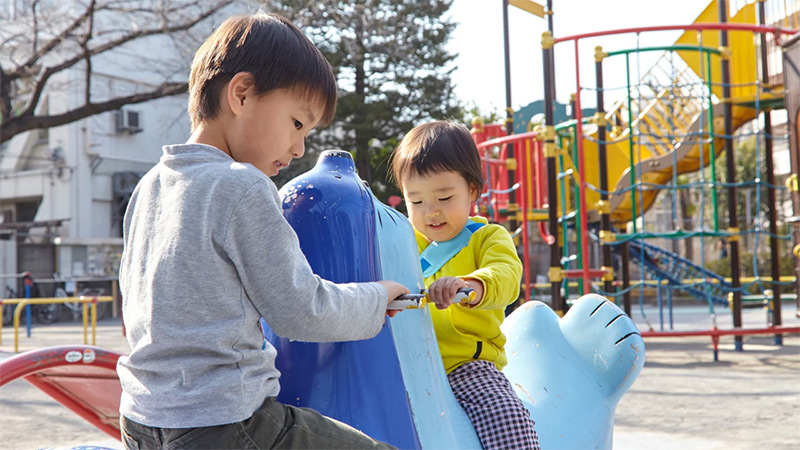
[[85, 300]]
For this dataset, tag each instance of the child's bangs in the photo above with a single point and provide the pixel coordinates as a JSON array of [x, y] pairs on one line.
[[322, 95]]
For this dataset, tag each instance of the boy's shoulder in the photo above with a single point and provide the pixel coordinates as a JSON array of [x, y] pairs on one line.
[[195, 171], [210, 163]]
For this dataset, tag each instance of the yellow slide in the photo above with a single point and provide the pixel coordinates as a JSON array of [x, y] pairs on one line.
[[669, 117]]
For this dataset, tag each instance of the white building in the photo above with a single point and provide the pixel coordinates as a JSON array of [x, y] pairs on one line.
[[63, 191]]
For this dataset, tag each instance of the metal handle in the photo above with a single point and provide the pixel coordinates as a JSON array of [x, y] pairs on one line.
[[416, 301]]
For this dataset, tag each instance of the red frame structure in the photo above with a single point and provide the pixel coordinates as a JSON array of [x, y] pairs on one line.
[[81, 377], [696, 26], [529, 177], [715, 333]]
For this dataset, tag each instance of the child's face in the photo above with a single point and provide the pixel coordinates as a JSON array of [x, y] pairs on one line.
[[439, 203], [269, 131]]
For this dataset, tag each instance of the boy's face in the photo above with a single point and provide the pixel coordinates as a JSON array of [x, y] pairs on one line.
[[439, 203], [269, 131]]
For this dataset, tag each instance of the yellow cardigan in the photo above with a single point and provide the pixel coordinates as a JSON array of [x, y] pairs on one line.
[[469, 333]]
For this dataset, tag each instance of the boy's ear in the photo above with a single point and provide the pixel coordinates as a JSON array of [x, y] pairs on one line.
[[473, 193], [239, 88]]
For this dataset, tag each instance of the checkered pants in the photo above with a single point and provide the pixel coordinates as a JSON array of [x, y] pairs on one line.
[[499, 417]]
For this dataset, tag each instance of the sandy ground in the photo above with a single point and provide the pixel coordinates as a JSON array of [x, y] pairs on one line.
[[683, 399]]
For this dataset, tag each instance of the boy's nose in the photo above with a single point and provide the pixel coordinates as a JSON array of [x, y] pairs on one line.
[[299, 150]]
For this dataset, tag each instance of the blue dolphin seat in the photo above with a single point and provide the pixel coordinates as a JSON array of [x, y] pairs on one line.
[[570, 373]]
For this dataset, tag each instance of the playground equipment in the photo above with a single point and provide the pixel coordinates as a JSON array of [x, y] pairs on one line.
[[82, 378], [419, 410], [596, 178], [393, 387], [333, 215]]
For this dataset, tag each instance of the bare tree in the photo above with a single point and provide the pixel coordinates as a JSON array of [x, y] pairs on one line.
[[49, 38]]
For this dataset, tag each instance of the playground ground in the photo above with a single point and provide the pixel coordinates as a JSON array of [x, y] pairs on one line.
[[683, 399]]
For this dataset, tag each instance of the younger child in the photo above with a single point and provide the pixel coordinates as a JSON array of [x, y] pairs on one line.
[[207, 252], [437, 167]]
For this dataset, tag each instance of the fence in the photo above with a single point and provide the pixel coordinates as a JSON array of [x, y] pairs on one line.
[[85, 300]]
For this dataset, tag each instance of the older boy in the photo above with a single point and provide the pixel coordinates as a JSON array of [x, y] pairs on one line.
[[207, 252]]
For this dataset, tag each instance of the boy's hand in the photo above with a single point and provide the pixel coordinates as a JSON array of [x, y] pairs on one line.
[[444, 290], [395, 290]]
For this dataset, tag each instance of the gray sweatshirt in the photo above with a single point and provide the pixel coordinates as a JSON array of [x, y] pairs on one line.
[[207, 252]]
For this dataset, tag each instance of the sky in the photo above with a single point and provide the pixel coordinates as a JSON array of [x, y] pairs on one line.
[[478, 41]]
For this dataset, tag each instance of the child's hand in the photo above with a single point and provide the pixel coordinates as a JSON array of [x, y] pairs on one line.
[[444, 290], [395, 290]]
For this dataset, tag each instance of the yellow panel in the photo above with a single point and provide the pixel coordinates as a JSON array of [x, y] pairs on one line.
[[529, 6], [706, 39], [538, 216], [743, 58], [744, 69]]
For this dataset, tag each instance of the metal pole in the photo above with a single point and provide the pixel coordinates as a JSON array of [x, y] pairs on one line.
[[551, 152], [580, 258], [549, 13], [669, 308], [563, 182], [94, 321], [115, 297], [28, 310], [85, 307], [730, 166], [626, 278], [603, 207], [773, 221], [512, 207], [660, 303], [583, 227]]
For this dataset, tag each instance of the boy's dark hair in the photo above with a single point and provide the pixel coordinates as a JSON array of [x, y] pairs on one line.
[[269, 47], [438, 146]]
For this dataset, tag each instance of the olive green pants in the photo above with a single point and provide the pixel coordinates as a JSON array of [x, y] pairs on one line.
[[274, 425]]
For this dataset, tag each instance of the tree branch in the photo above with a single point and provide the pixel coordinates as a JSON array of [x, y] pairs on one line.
[[33, 100], [22, 69], [17, 125], [75, 34], [139, 34]]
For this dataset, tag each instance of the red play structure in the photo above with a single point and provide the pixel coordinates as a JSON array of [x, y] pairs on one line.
[[83, 378]]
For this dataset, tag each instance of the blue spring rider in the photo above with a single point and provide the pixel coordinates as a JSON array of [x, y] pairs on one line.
[[570, 372]]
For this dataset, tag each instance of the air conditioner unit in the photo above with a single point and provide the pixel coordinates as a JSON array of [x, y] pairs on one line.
[[127, 121]]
